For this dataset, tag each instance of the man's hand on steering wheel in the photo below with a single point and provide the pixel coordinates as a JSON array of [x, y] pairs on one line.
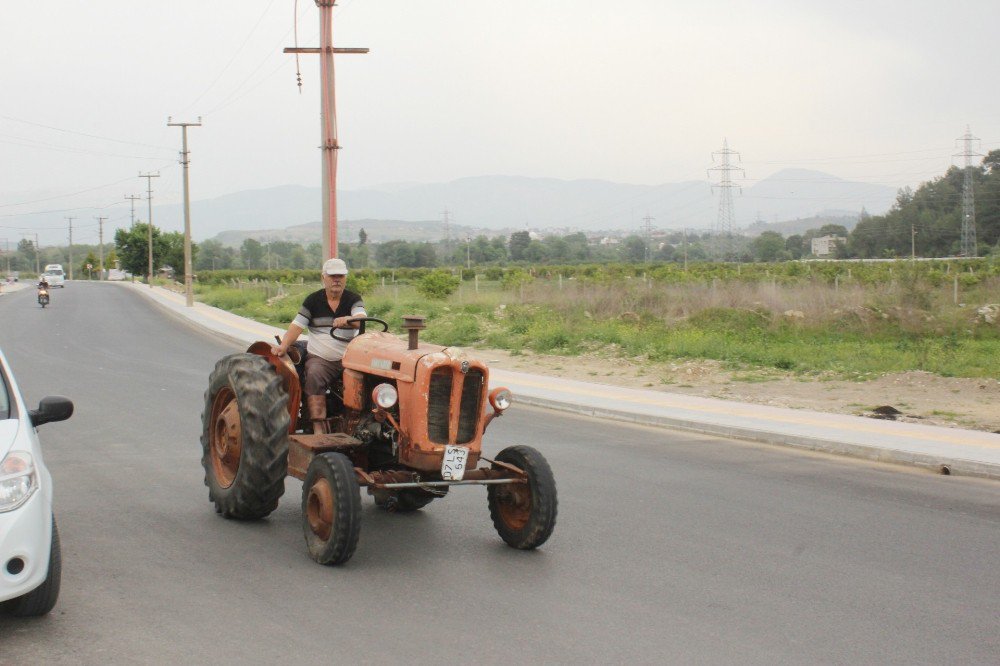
[[360, 325]]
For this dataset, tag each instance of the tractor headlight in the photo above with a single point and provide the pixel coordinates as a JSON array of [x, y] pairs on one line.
[[385, 396], [18, 480], [501, 398]]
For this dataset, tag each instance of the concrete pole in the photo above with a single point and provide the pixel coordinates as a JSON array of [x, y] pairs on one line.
[[149, 222], [100, 248], [188, 284], [70, 246]]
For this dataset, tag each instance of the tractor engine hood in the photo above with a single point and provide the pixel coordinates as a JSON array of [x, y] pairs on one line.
[[385, 354]]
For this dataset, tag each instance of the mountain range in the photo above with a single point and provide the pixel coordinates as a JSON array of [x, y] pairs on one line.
[[491, 204]]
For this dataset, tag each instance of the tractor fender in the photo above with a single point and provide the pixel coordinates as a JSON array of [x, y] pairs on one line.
[[285, 367]]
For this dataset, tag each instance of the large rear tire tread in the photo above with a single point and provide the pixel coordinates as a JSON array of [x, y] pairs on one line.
[[43, 598], [264, 420], [541, 516], [337, 470]]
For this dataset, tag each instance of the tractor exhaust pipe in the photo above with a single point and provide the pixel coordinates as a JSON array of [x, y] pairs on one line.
[[413, 324]]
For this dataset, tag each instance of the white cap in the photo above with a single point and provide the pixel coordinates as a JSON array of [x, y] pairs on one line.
[[334, 267]]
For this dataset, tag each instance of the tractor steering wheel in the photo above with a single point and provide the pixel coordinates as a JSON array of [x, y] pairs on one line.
[[360, 329]]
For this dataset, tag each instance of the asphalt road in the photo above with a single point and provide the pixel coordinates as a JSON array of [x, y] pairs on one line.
[[670, 547]]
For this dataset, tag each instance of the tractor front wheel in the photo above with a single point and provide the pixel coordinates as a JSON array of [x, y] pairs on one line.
[[244, 437], [524, 514], [331, 508]]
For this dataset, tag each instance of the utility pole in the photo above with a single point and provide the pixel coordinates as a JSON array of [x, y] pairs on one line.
[[328, 111], [447, 236], [724, 222], [969, 248], [100, 247], [38, 265], [149, 223], [133, 199], [649, 237], [188, 286], [685, 249], [70, 246], [468, 252], [7, 253], [913, 243]]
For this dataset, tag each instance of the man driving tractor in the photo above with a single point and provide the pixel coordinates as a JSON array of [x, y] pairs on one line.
[[323, 310]]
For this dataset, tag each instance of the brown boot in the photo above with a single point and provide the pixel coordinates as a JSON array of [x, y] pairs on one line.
[[317, 413]]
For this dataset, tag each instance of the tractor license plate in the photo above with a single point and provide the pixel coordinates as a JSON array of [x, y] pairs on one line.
[[453, 466]]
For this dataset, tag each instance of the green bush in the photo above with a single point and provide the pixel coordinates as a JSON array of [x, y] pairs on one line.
[[515, 278], [438, 285]]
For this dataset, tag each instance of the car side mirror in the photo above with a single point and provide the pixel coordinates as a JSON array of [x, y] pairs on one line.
[[51, 408]]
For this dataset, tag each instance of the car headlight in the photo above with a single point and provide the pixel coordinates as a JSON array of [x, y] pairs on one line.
[[18, 480], [501, 398], [385, 395]]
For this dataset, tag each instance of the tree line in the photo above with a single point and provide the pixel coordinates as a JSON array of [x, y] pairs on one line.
[[926, 222]]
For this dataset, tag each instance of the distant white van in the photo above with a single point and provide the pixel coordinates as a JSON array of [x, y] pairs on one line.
[[55, 276]]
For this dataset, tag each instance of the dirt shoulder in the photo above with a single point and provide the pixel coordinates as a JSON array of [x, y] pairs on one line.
[[921, 397]]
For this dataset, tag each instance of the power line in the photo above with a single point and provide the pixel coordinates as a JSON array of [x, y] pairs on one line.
[[92, 136], [232, 59]]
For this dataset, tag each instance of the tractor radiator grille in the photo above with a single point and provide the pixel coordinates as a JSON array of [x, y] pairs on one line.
[[439, 403]]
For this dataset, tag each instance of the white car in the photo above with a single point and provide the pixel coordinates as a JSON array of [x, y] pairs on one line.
[[30, 560], [55, 278]]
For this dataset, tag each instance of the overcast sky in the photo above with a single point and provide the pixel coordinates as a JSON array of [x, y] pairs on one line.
[[634, 91]]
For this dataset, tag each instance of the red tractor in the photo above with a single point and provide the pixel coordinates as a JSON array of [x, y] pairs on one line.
[[407, 424]]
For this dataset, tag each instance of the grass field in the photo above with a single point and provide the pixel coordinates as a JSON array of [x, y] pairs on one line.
[[845, 328]]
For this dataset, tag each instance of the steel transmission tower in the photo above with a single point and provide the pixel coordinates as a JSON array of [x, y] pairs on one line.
[[723, 231], [968, 197]]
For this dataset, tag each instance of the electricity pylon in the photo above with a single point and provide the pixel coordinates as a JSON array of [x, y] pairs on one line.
[[723, 231]]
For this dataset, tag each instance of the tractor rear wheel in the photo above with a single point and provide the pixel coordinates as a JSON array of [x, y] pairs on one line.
[[331, 508], [524, 514], [244, 437]]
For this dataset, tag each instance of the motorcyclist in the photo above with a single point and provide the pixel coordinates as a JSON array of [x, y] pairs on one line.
[[43, 291]]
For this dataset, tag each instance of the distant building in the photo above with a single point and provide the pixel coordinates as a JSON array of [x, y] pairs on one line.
[[824, 246]]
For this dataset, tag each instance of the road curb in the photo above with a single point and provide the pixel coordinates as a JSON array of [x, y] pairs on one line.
[[941, 465]]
